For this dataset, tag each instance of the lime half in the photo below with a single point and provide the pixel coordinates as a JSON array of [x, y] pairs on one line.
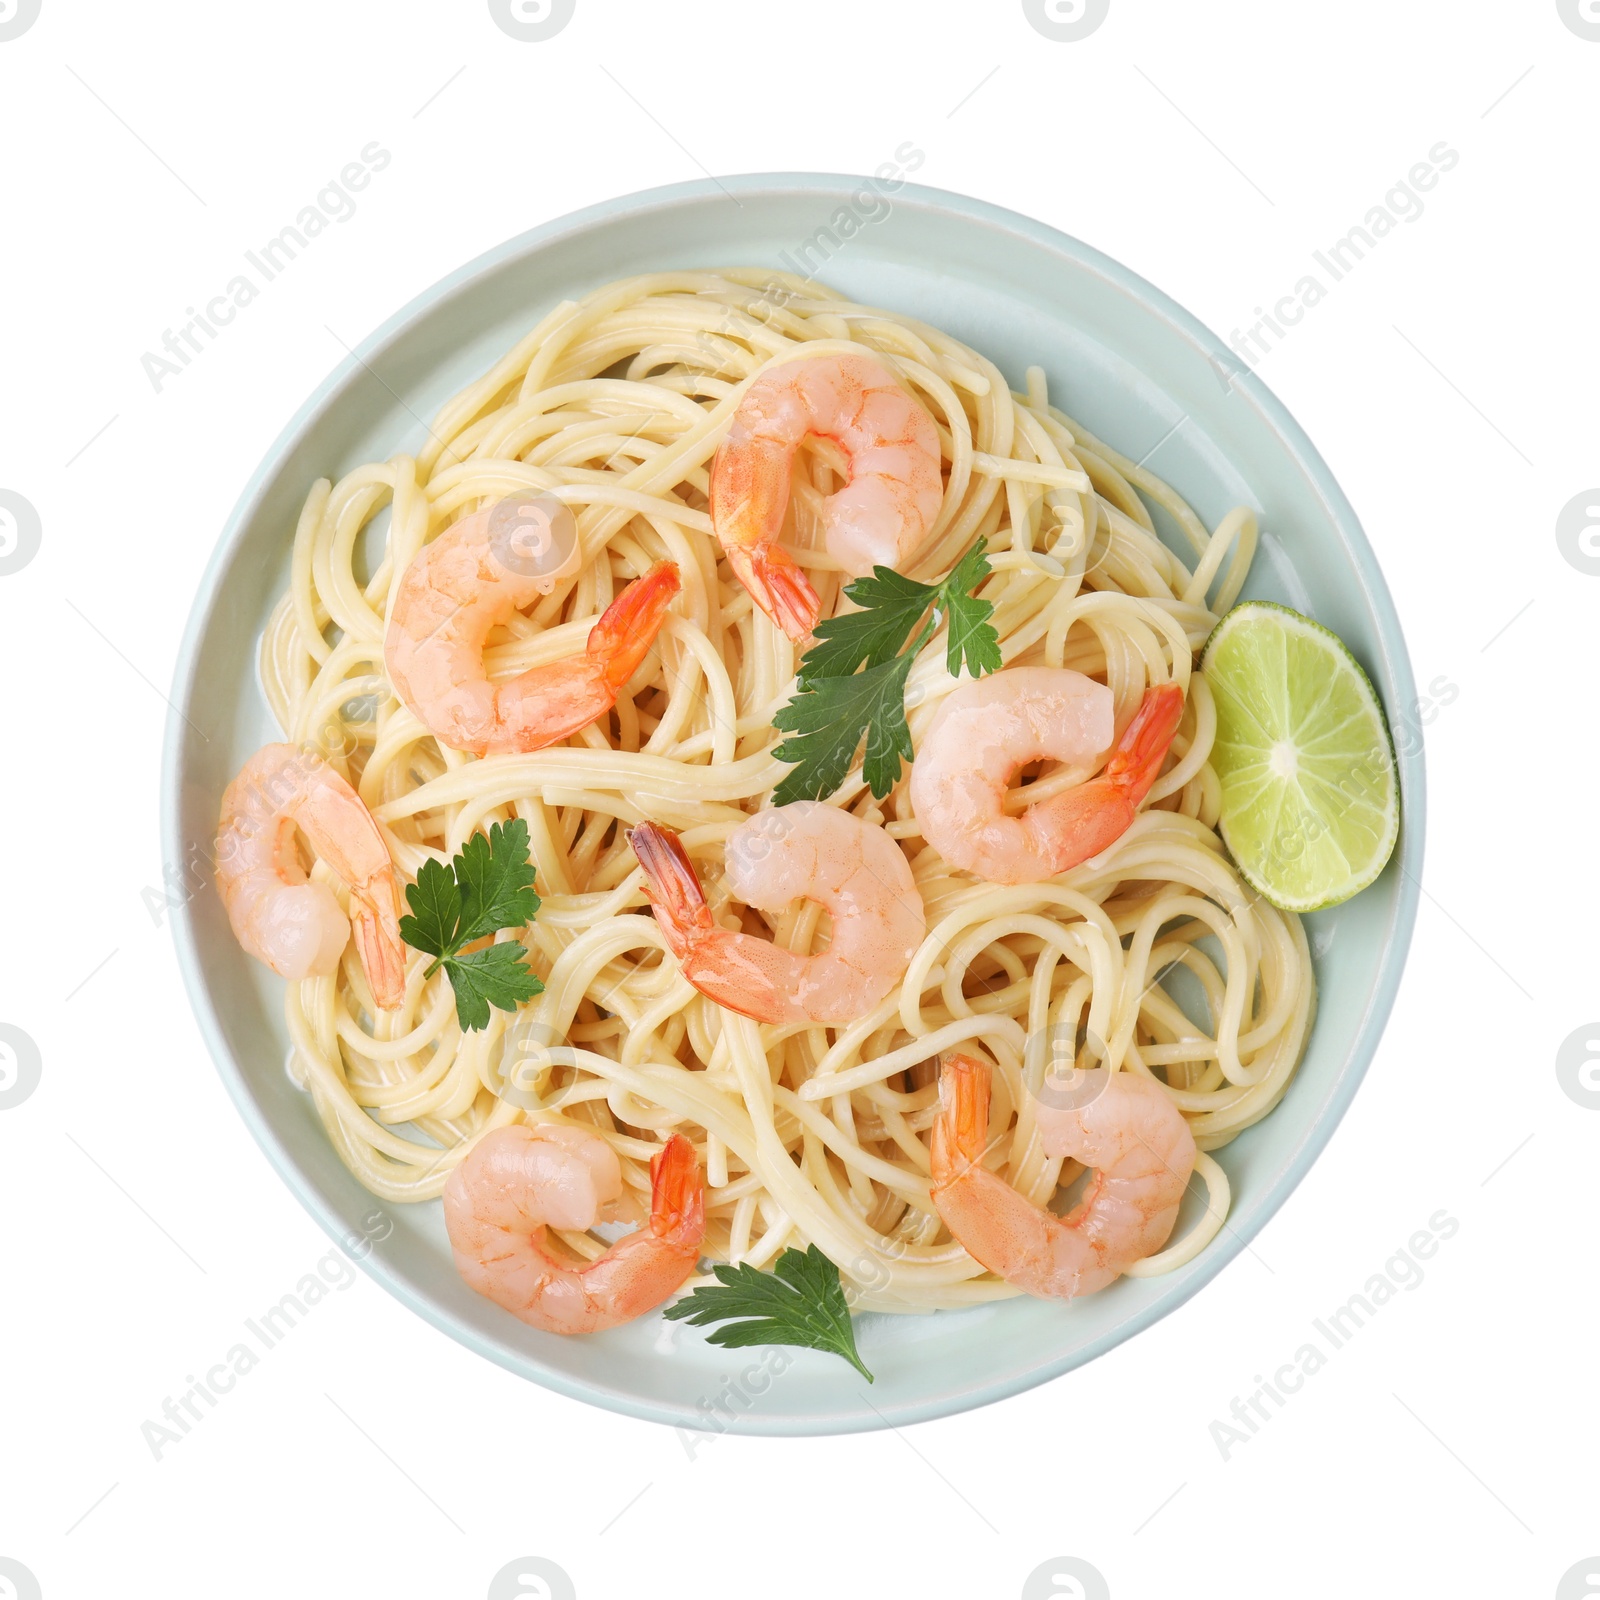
[[1310, 799]]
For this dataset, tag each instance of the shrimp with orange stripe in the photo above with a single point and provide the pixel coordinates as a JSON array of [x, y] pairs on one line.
[[1127, 1128], [878, 518], [456, 592], [987, 729], [519, 1182]]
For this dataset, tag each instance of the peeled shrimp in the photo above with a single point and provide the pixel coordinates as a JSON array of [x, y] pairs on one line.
[[985, 730], [1131, 1133], [278, 915], [518, 1181], [877, 519], [449, 599], [804, 850]]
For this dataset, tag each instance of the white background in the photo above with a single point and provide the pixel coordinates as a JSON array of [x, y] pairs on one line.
[[1211, 147]]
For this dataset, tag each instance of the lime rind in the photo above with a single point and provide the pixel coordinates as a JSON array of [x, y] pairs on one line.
[[1310, 793]]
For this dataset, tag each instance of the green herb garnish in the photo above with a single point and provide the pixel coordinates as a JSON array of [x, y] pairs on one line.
[[852, 682], [489, 886], [800, 1302]]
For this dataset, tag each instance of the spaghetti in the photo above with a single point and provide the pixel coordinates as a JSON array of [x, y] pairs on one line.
[[614, 406]]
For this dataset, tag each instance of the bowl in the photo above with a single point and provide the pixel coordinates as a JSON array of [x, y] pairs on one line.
[[1136, 369]]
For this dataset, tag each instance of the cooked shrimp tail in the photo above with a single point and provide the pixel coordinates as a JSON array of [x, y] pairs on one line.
[[987, 729], [518, 1181], [374, 921], [808, 851], [449, 600], [878, 518], [673, 887], [1135, 764], [1130, 1132], [677, 1194], [563, 697], [778, 586], [692, 934], [962, 1131], [621, 639], [1093, 816]]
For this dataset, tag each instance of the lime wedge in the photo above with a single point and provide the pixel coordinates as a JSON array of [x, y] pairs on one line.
[[1310, 799]]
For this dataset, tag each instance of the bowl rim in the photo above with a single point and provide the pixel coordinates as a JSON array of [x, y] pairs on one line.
[[1393, 666]]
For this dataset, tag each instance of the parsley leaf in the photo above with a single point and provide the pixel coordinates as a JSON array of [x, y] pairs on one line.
[[972, 635], [892, 605], [492, 976], [800, 1302], [436, 905], [488, 886], [836, 705], [496, 881], [828, 718]]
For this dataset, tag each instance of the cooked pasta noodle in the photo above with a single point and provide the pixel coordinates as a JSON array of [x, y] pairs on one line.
[[615, 405]]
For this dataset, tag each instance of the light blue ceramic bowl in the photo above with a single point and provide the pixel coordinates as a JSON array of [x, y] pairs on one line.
[[1136, 369]]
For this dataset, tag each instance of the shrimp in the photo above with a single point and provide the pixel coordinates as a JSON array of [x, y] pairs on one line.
[[518, 1181], [278, 915], [454, 593], [1131, 1133], [877, 519], [803, 850], [985, 730]]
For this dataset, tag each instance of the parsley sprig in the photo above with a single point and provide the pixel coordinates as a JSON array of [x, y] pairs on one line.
[[852, 682], [801, 1301], [488, 886]]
